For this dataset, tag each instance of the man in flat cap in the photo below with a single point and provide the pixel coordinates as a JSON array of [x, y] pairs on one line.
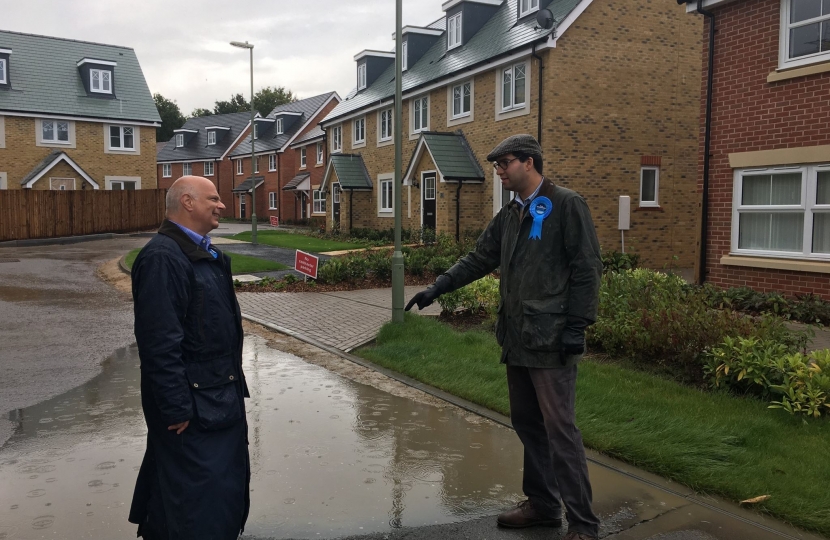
[[545, 243]]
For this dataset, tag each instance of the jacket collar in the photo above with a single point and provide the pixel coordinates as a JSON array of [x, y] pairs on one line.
[[188, 247], [546, 190]]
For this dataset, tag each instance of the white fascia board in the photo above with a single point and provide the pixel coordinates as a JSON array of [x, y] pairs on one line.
[[307, 142], [416, 157], [377, 54], [452, 3], [234, 143], [265, 119], [287, 113], [5, 51], [691, 7], [182, 130], [218, 127], [326, 175], [419, 30], [68, 160], [79, 118], [95, 61], [202, 160], [311, 118]]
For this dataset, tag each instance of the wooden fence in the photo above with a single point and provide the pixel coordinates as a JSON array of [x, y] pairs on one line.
[[29, 213]]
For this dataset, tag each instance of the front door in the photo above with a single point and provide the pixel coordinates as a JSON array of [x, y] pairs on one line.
[[335, 205], [242, 206], [428, 202]]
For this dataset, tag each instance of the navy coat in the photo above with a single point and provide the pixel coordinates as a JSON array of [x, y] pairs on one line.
[[189, 333]]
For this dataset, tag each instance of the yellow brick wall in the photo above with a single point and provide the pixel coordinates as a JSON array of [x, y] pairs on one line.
[[21, 153]]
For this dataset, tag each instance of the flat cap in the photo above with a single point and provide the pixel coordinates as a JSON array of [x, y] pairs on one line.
[[516, 143]]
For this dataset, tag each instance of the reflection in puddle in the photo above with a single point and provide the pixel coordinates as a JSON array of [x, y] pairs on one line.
[[329, 457]]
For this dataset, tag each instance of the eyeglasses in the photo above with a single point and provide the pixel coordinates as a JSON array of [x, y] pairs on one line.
[[503, 164]]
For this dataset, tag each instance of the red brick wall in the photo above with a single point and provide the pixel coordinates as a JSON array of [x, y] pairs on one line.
[[222, 178], [750, 114]]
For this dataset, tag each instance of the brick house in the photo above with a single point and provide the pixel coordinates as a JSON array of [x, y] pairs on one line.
[[611, 91], [74, 115], [283, 140], [767, 213], [200, 147]]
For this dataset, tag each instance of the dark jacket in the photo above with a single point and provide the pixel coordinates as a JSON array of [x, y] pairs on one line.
[[542, 281], [189, 333]]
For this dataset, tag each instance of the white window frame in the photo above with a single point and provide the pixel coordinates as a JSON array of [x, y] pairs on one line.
[[454, 28], [272, 200], [101, 79], [335, 192], [513, 69], [211, 138], [4, 71], [462, 113], [385, 125], [808, 207], [62, 188], [166, 170], [187, 169], [319, 153], [54, 139], [656, 201], [784, 60], [419, 114], [256, 131], [361, 76], [529, 7], [122, 132], [239, 166], [4, 181], [179, 140], [303, 158], [319, 201], [337, 139], [386, 194], [404, 48], [279, 126], [121, 183], [208, 168], [272, 162], [359, 132], [256, 165]]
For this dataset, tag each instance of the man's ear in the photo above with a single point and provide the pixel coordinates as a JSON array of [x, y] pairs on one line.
[[187, 202]]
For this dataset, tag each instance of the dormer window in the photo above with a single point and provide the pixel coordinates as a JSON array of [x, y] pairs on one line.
[[361, 76], [403, 56], [100, 81], [279, 126], [179, 140], [528, 6], [256, 130], [211, 138], [454, 31], [4, 78]]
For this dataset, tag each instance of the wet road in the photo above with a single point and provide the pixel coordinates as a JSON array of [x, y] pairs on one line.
[[58, 320]]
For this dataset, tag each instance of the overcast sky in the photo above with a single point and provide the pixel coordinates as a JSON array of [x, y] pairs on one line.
[[308, 46]]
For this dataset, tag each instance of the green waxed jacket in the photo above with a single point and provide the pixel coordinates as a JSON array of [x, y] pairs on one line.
[[542, 281]]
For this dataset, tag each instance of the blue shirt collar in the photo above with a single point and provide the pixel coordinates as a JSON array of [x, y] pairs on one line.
[[201, 241], [522, 203]]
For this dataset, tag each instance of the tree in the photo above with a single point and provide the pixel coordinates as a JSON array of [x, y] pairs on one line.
[[171, 117], [266, 99], [237, 103], [198, 111]]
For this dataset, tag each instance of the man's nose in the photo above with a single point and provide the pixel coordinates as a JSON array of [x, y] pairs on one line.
[[221, 205]]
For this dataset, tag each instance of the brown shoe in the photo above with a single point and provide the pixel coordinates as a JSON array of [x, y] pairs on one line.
[[524, 515], [573, 535]]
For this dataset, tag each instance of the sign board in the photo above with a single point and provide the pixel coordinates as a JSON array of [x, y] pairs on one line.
[[625, 213], [275, 221], [306, 264]]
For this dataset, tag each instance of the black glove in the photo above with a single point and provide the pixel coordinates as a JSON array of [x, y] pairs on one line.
[[573, 336], [426, 297]]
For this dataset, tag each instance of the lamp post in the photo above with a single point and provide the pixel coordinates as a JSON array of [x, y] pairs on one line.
[[397, 255], [250, 48]]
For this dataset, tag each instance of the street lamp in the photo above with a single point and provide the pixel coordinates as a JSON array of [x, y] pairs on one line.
[[250, 48]]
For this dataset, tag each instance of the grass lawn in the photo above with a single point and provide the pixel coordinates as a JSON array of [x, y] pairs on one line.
[[711, 442], [296, 241], [240, 264]]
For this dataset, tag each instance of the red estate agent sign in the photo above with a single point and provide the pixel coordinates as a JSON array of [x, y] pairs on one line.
[[305, 263], [275, 221]]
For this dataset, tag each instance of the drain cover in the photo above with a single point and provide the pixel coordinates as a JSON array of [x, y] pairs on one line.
[[9, 260]]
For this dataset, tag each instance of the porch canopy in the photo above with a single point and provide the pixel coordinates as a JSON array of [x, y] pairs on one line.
[[451, 154], [350, 171], [245, 187]]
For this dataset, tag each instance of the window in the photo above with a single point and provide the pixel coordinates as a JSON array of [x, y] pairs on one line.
[[461, 100], [420, 120], [359, 131], [187, 169], [454, 31], [513, 87], [527, 6], [429, 186], [404, 47], [272, 162], [208, 168], [3, 78], [55, 131], [319, 153], [336, 139], [256, 165], [385, 131], [386, 195], [238, 166], [211, 138], [256, 130], [782, 212], [302, 157], [121, 138], [319, 202], [272, 201], [279, 126], [179, 140], [649, 186], [100, 81], [336, 193], [805, 32], [361, 76], [121, 185], [166, 170]]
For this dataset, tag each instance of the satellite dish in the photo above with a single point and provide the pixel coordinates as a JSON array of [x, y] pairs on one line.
[[544, 18]]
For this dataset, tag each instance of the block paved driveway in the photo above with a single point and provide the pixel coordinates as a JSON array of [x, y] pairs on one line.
[[344, 320]]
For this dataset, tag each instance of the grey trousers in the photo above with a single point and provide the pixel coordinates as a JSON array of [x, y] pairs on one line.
[[542, 412]]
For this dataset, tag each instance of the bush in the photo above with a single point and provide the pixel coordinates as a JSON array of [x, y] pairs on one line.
[[614, 261], [806, 308], [480, 296], [356, 267], [379, 263], [440, 264], [333, 271]]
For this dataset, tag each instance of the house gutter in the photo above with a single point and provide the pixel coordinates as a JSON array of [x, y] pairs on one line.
[[541, 93], [458, 211]]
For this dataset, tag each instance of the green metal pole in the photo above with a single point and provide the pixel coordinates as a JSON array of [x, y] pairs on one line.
[[253, 155], [397, 256]]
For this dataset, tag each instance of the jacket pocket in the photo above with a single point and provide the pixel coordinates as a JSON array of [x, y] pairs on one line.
[[500, 327], [214, 393], [543, 322]]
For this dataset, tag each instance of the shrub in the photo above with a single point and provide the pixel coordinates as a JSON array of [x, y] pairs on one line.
[[415, 261], [480, 296], [333, 271], [379, 263], [614, 261], [356, 267], [440, 263], [807, 308]]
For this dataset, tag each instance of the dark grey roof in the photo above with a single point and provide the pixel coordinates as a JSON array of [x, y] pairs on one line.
[[245, 186], [270, 140], [451, 154], [48, 160], [45, 79], [197, 146], [315, 133], [500, 35], [351, 171], [296, 181]]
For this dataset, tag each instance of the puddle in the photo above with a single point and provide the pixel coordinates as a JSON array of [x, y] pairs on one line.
[[330, 457]]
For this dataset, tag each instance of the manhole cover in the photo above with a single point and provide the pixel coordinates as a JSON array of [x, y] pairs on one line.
[[9, 260]]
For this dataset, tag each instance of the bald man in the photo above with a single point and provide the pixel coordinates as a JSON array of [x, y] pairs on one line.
[[194, 480]]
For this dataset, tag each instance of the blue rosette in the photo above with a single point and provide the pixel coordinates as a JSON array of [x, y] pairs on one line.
[[540, 209]]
